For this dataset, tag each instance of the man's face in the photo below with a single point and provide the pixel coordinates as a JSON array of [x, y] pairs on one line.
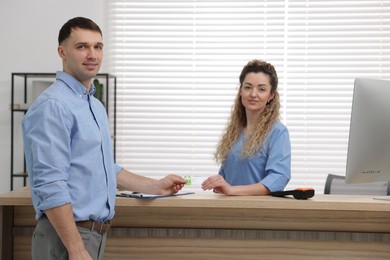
[[82, 55]]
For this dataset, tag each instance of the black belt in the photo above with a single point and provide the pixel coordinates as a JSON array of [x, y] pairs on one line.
[[94, 226]]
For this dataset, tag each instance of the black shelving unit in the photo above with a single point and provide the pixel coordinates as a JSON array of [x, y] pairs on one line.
[[21, 95]]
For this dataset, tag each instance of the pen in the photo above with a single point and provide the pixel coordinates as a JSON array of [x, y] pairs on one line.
[[131, 195], [135, 195]]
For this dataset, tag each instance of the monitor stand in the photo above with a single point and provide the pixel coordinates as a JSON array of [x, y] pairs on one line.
[[382, 198]]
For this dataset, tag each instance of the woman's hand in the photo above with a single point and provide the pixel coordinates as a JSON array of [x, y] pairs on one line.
[[218, 184]]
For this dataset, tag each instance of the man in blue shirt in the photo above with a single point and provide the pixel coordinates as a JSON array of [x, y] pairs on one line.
[[73, 176]]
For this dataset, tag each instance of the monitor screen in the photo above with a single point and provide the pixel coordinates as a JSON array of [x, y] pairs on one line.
[[368, 157]]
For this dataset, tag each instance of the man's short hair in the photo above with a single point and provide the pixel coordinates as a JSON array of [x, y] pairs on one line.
[[77, 22]]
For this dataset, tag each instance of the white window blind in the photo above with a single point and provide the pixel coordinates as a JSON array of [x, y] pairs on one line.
[[178, 63]]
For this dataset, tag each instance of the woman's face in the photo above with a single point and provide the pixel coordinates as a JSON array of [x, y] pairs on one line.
[[256, 92]]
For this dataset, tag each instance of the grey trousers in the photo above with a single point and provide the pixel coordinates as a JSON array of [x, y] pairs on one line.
[[46, 244]]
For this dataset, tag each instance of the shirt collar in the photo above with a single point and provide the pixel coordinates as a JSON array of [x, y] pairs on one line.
[[74, 84]]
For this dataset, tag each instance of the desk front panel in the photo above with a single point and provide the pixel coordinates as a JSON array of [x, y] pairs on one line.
[[214, 226]]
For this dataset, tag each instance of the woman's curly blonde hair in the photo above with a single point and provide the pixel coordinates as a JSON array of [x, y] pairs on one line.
[[238, 120]]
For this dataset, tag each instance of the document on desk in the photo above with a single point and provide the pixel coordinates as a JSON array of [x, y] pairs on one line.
[[138, 195]]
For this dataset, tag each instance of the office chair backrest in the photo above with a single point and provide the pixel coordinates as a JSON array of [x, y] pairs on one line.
[[335, 184]]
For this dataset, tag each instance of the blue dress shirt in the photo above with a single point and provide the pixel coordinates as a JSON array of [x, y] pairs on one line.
[[271, 166], [68, 151]]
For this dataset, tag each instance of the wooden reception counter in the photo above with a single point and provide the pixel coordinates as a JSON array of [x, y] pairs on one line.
[[211, 226]]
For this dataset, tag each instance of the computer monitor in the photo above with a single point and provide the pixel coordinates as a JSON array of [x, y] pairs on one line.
[[368, 157]]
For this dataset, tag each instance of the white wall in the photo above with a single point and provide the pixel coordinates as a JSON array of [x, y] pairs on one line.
[[29, 31]]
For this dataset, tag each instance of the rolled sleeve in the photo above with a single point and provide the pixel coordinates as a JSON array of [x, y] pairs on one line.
[[47, 148]]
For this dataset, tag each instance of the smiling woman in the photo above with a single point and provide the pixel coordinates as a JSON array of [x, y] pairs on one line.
[[255, 150]]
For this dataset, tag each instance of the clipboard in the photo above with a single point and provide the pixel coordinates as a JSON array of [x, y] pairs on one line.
[[138, 195]]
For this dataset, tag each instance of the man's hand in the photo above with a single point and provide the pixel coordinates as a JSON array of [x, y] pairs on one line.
[[63, 222], [171, 184]]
